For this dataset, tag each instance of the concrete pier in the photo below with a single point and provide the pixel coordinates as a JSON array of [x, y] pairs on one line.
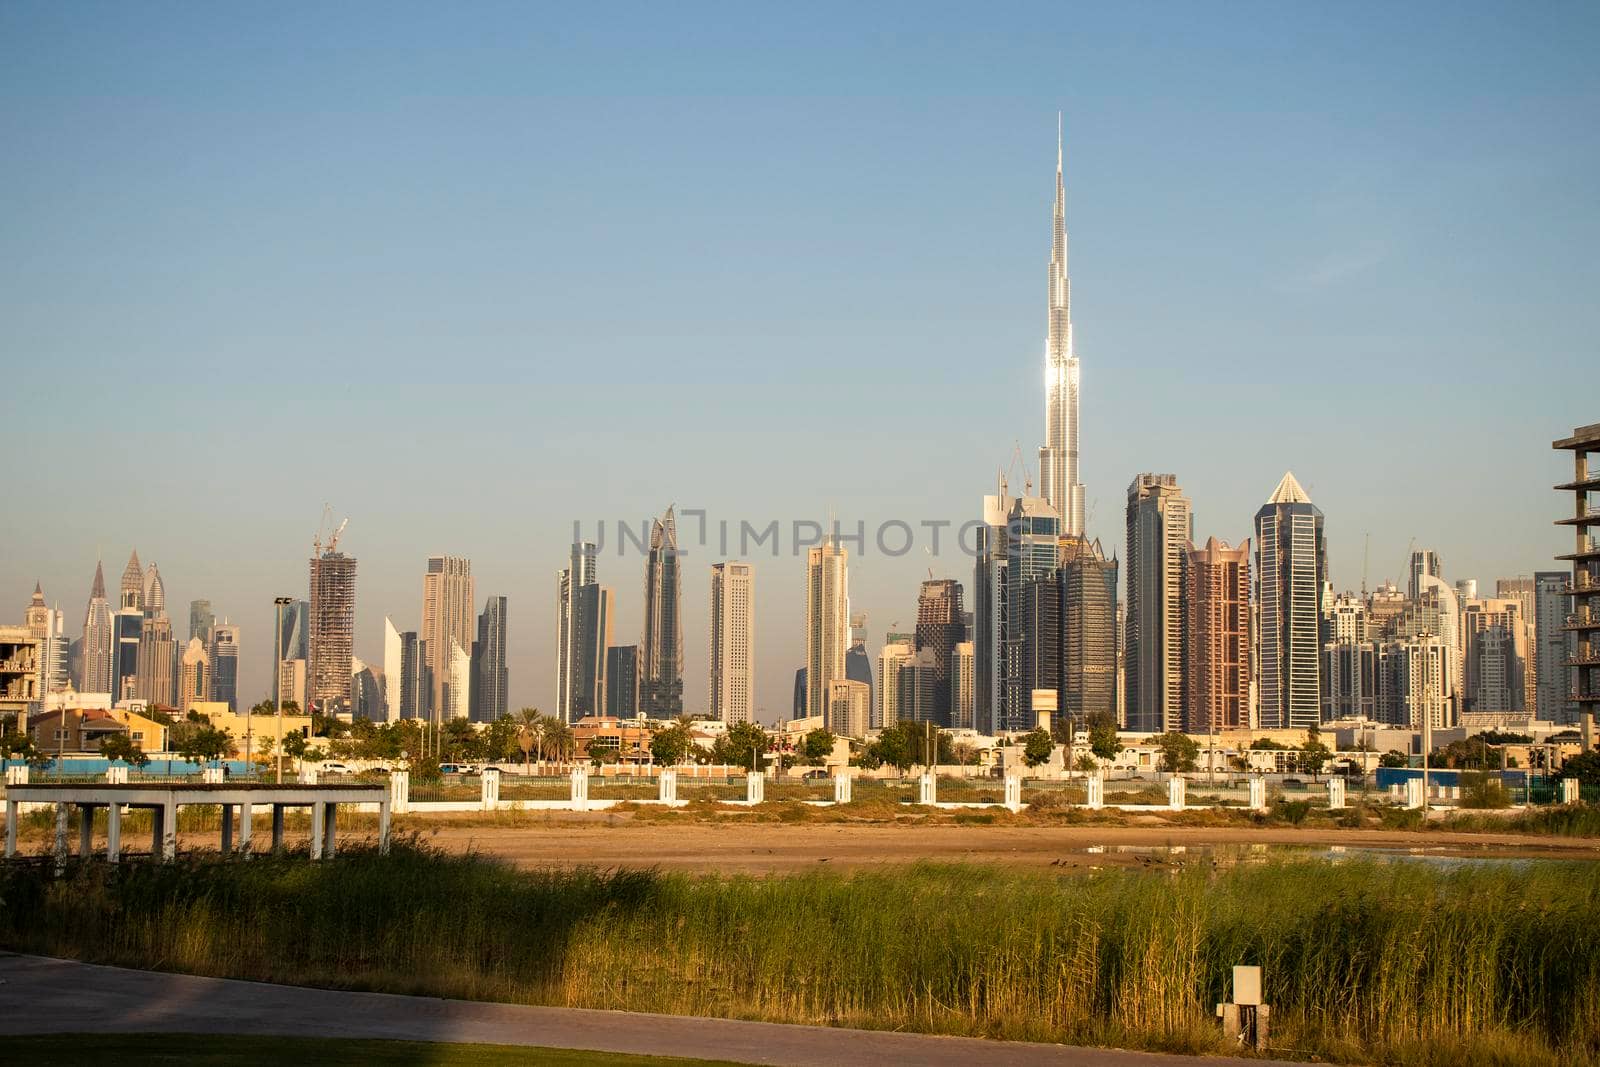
[[164, 800]]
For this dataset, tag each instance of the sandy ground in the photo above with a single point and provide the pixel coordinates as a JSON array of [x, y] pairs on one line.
[[606, 840]]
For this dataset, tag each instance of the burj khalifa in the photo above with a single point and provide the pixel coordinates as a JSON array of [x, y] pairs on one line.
[[1058, 457]]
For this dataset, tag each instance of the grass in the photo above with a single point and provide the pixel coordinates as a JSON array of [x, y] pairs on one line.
[[210, 1050], [1397, 963]]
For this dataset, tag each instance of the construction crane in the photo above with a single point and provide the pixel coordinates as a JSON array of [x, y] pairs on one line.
[[332, 539]]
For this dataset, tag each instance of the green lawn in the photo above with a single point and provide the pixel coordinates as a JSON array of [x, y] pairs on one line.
[[210, 1050]]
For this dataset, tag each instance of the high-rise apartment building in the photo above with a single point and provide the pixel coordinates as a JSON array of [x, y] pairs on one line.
[[155, 592], [827, 621], [732, 640], [1424, 564], [1291, 569], [393, 670], [201, 619], [1495, 641], [194, 670], [661, 646], [1216, 687], [99, 639], [1552, 646], [1522, 590], [156, 681], [1090, 679], [491, 679], [448, 596], [1033, 534], [1349, 661], [941, 625], [1160, 523], [1583, 624], [622, 681], [330, 633], [223, 654], [591, 637], [849, 708], [366, 692], [989, 614], [579, 573], [963, 686], [1058, 458], [890, 657], [1412, 686]]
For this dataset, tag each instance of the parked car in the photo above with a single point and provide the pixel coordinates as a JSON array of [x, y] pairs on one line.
[[333, 768], [1293, 783], [814, 773], [457, 768]]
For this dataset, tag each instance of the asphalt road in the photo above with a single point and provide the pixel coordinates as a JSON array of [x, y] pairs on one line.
[[49, 996]]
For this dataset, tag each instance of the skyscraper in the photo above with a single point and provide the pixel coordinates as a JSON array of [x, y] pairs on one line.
[[156, 682], [1217, 650], [622, 681], [732, 641], [1090, 679], [1552, 642], [591, 637], [223, 654], [447, 605], [989, 614], [1412, 687], [409, 684], [1349, 660], [827, 620], [296, 629], [963, 686], [331, 632], [580, 572], [193, 673], [661, 646], [940, 627], [99, 639], [1058, 458], [849, 708], [1583, 624], [155, 591], [393, 670], [890, 657], [48, 626], [201, 619], [491, 680], [1424, 563], [1291, 567], [1495, 642], [458, 690], [1160, 531], [1032, 540], [132, 593]]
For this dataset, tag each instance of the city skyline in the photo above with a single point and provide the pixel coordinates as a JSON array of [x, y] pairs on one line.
[[1162, 287]]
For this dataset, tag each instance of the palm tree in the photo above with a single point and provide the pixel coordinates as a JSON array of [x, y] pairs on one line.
[[530, 735]]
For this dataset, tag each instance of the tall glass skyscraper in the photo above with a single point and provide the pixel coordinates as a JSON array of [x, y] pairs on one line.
[[1291, 567], [661, 646]]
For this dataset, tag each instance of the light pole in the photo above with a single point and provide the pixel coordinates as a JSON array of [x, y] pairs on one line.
[[277, 681]]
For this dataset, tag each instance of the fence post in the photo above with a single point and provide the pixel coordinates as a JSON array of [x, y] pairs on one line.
[[580, 789], [755, 787], [399, 792], [1258, 793], [1177, 792], [927, 790], [489, 788], [668, 786], [211, 775], [1014, 792], [1569, 791], [1414, 797], [116, 776], [1335, 794], [841, 786], [1097, 791], [17, 775], [308, 776]]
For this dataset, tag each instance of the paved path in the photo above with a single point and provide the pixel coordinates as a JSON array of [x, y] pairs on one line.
[[114, 1000]]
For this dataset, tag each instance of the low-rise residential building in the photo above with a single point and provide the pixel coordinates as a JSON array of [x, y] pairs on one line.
[[74, 731]]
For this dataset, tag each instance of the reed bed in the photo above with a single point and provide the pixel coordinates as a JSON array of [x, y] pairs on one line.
[[1389, 962]]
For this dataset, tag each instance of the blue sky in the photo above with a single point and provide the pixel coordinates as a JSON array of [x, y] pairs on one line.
[[472, 273]]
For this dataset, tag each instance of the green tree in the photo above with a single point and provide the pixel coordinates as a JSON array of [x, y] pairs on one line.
[[1393, 758], [1313, 754], [1267, 744], [1103, 739], [530, 736], [1086, 763], [1179, 752], [206, 745], [14, 744], [294, 745], [741, 745], [1584, 766], [121, 747], [1037, 747], [817, 747], [671, 745]]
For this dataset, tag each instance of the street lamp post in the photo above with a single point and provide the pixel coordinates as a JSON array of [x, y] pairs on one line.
[[277, 681]]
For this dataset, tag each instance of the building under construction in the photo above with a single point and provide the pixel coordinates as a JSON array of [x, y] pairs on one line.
[[331, 633], [1584, 622]]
